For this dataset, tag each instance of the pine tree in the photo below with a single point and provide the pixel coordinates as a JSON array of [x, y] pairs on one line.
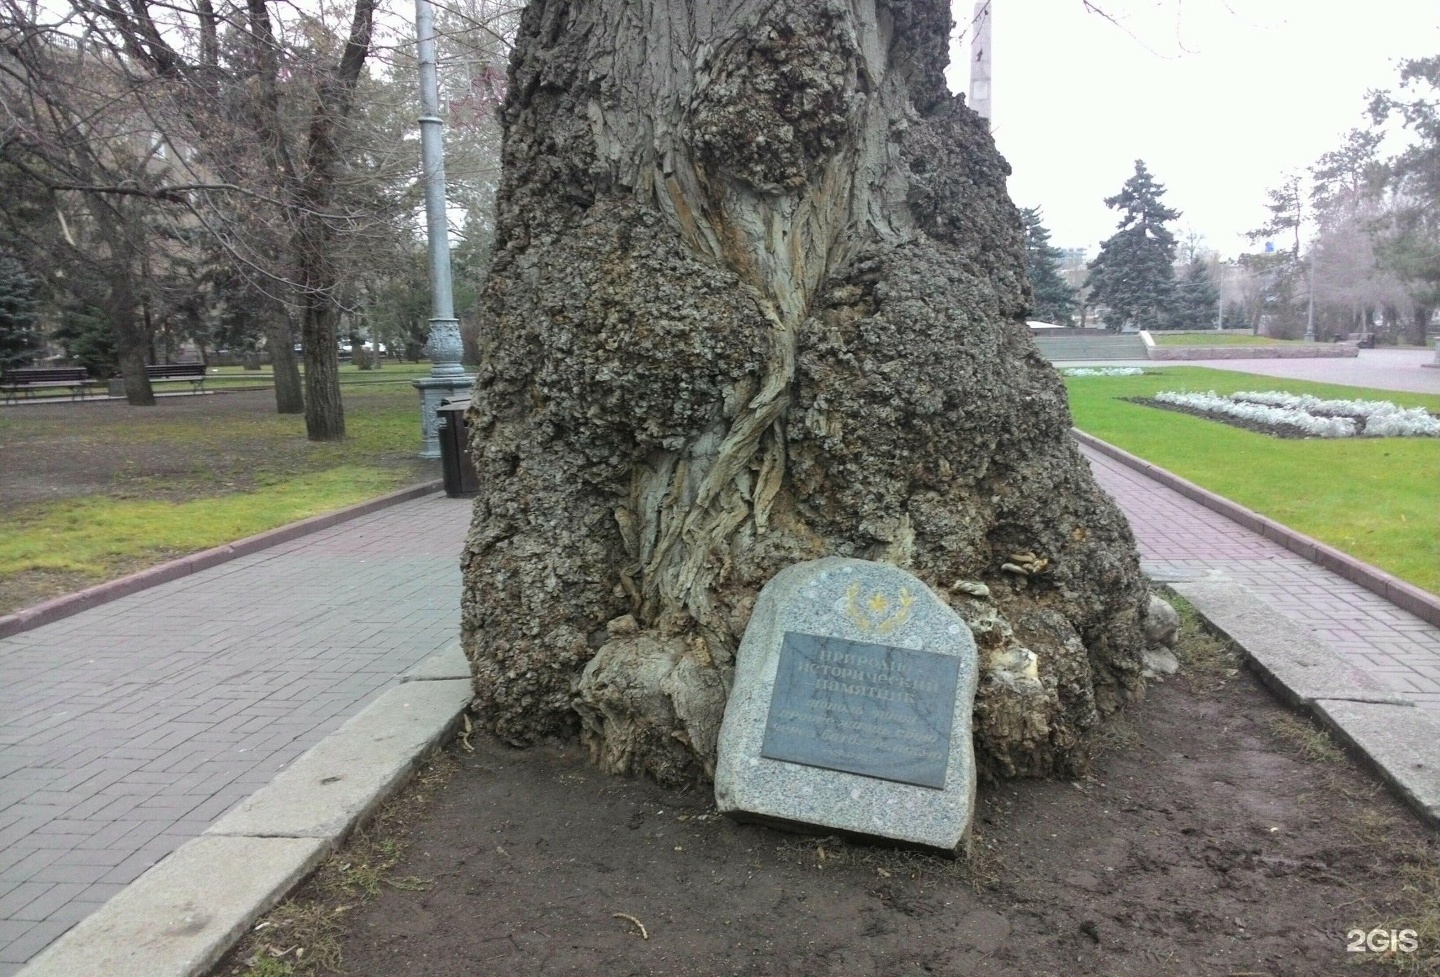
[[1195, 299], [1134, 273], [1054, 299], [19, 338]]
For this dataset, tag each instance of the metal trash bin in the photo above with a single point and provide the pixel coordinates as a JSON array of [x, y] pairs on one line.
[[455, 461]]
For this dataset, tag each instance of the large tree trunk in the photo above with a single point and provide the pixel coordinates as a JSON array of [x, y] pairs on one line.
[[311, 187], [758, 297], [324, 411]]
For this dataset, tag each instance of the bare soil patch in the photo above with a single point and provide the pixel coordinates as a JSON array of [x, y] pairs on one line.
[[1219, 834]]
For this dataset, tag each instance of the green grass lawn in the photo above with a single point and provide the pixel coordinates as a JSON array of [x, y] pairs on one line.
[[89, 535], [94, 491], [1375, 498], [1217, 339]]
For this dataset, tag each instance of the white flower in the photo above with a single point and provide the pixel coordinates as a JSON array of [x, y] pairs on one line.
[[1314, 416], [1104, 371]]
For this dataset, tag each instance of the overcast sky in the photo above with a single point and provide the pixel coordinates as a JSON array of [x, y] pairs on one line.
[[1220, 98]]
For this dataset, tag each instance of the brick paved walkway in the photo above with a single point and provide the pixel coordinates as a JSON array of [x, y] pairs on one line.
[[1397, 647], [127, 729]]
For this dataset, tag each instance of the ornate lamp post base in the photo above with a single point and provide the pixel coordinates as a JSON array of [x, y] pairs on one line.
[[433, 391], [447, 381]]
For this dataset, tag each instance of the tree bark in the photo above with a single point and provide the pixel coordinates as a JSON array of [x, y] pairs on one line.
[[1420, 318], [289, 394], [132, 341], [324, 411], [759, 297]]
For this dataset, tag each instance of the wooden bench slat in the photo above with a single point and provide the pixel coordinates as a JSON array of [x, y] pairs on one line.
[[163, 371], [193, 372]]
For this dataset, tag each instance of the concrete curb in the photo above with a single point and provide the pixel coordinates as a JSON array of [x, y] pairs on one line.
[[1398, 741], [1299, 668], [103, 593], [1406, 596], [1196, 354], [339, 782], [183, 915], [448, 664], [1403, 746]]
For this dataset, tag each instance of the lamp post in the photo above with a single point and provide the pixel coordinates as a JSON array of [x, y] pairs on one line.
[[447, 377]]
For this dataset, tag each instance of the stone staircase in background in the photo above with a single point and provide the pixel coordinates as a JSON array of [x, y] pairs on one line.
[[1089, 344]]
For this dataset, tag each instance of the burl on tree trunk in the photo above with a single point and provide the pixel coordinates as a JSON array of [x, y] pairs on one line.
[[758, 297]]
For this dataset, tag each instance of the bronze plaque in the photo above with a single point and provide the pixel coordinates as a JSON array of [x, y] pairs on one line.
[[862, 708]]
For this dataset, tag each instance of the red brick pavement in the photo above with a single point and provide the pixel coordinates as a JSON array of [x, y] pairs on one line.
[[126, 729], [1398, 648]]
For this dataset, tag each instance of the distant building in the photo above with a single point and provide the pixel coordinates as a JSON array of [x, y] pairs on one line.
[[1072, 268]]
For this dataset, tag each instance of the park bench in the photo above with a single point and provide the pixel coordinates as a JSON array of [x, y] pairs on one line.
[[28, 379], [193, 372], [1365, 340]]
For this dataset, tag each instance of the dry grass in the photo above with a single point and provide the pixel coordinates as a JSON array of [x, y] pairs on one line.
[[1303, 736], [1414, 894], [302, 936], [1207, 659], [1418, 882], [980, 865], [1117, 736]]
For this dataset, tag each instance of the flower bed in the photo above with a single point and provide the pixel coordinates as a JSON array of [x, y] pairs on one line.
[[1302, 415], [1103, 371]]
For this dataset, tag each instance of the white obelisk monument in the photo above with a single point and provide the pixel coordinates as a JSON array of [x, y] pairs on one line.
[[980, 59]]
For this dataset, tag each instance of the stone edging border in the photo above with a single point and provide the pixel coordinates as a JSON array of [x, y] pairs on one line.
[[1310, 351], [102, 593], [1403, 595]]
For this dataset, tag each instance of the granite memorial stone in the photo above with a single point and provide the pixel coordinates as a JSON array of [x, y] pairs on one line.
[[852, 707]]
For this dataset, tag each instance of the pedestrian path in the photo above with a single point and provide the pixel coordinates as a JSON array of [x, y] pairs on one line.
[[127, 729], [1174, 533]]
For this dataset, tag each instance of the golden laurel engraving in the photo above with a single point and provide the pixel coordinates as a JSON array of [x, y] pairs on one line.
[[878, 614]]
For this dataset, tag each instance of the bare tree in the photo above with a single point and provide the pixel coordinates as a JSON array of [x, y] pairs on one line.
[[72, 133], [265, 171]]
